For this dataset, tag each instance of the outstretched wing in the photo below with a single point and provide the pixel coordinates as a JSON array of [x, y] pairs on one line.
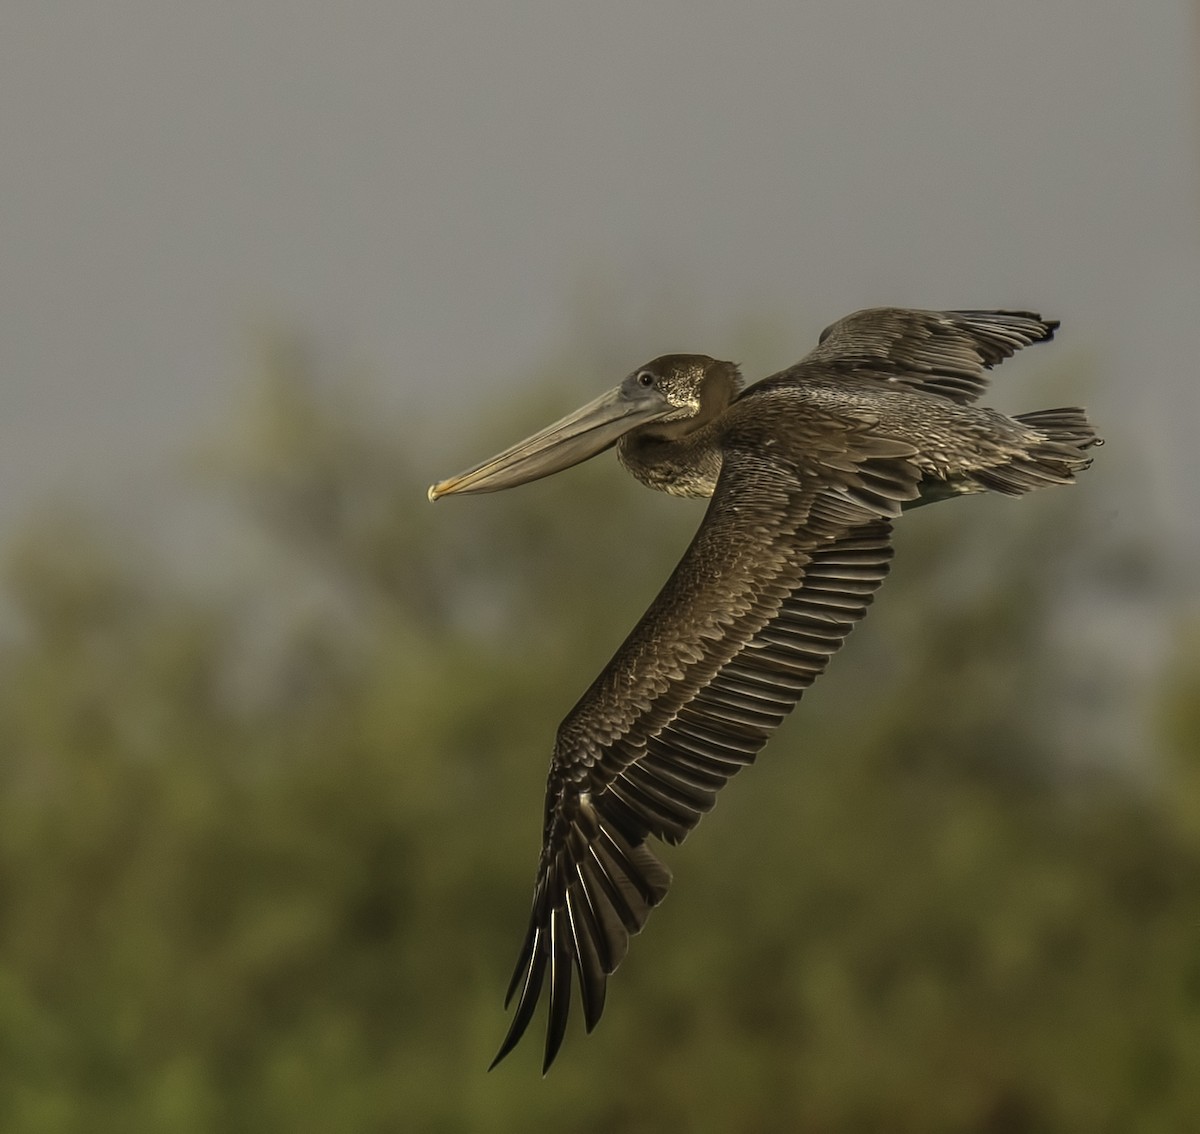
[[787, 559], [942, 352]]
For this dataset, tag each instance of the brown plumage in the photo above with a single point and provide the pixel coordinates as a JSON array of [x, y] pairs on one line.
[[807, 470]]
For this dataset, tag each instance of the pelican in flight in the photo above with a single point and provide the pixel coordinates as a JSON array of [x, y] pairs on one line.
[[806, 471]]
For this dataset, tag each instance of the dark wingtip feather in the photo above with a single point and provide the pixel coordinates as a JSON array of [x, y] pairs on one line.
[[1046, 326], [589, 940], [581, 926], [532, 965], [1028, 326], [521, 969], [560, 986]]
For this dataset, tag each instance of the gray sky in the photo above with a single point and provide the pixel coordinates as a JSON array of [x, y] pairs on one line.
[[426, 187]]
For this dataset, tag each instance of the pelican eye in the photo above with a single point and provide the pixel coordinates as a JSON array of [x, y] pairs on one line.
[[645, 379]]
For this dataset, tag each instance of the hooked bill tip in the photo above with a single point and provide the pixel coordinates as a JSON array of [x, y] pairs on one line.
[[433, 493]]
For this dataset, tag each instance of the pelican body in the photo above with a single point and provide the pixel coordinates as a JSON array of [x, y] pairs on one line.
[[806, 471]]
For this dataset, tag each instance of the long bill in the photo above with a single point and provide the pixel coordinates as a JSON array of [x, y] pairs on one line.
[[578, 436]]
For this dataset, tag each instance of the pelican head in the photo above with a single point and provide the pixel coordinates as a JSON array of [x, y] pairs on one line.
[[667, 398]]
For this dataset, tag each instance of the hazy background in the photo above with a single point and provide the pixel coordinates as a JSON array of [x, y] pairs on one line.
[[273, 731]]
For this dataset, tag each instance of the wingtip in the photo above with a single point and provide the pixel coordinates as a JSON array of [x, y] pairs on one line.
[[506, 1048], [509, 1042], [1047, 326]]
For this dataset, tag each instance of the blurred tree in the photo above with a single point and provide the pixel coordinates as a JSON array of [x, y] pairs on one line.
[[281, 890]]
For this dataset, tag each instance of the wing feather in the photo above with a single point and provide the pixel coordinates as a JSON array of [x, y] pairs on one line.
[[941, 352], [785, 563]]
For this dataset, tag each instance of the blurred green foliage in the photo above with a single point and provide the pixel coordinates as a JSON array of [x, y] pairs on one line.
[[270, 873]]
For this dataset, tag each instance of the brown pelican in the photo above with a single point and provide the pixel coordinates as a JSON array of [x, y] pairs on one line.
[[807, 469]]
